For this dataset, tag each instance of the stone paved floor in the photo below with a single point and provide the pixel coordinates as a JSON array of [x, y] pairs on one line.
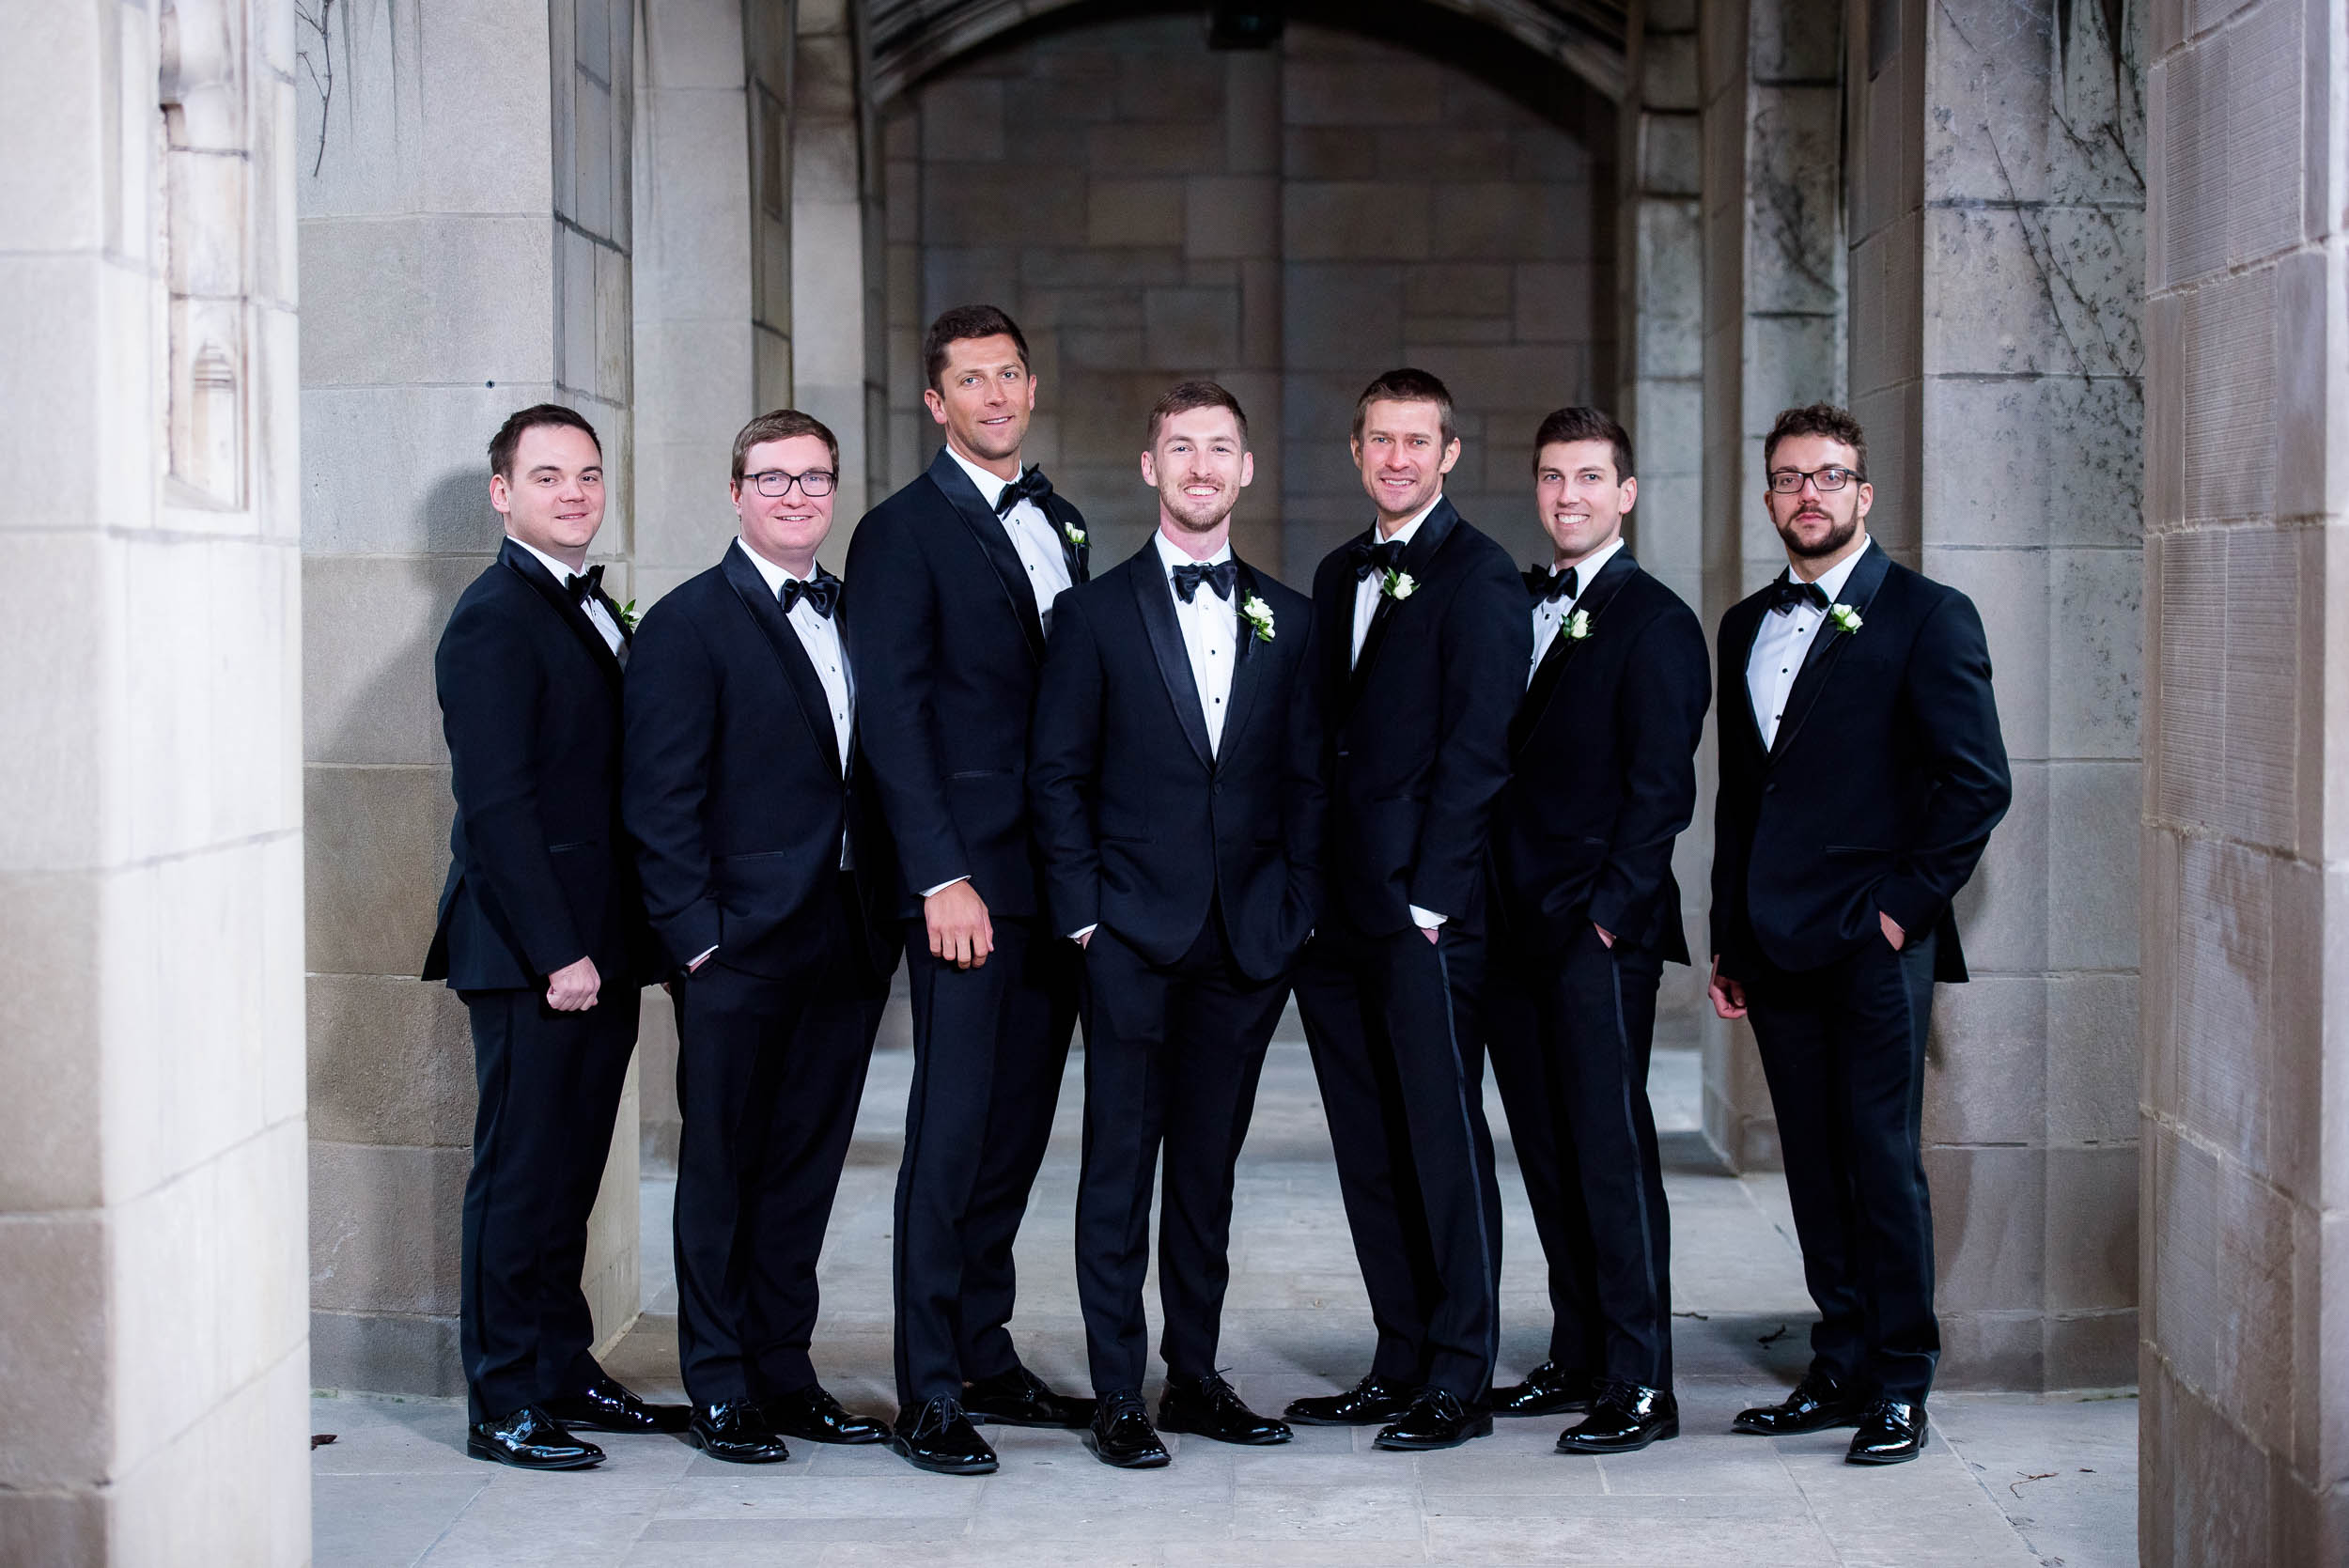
[[2007, 1482]]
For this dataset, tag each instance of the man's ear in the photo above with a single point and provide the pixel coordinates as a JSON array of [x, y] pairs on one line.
[[1149, 471], [1630, 494], [1451, 455]]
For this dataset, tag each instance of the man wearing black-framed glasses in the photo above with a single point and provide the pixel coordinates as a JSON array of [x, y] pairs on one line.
[[1861, 772], [768, 878]]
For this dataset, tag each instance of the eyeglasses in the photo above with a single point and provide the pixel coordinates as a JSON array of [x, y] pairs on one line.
[[1788, 481], [814, 484]]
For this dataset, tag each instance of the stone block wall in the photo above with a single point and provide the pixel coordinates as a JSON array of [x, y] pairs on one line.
[[1290, 221], [155, 1370], [465, 253], [1997, 212], [2243, 1082]]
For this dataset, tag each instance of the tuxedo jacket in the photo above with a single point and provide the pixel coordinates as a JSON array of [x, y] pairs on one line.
[[1143, 827], [1603, 757], [1880, 793], [947, 646], [732, 785], [1416, 734], [539, 875]]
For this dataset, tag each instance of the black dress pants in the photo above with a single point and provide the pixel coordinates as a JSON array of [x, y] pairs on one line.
[[1843, 1049], [1172, 1059], [770, 1070], [1392, 1022], [989, 1048], [1570, 1036], [549, 1086]]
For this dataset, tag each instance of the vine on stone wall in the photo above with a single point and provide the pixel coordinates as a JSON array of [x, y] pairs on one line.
[[316, 54]]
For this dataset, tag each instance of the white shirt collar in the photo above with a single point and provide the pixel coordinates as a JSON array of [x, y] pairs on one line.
[[1403, 535], [1170, 554], [772, 575], [1586, 570], [1832, 582], [562, 570], [991, 485]]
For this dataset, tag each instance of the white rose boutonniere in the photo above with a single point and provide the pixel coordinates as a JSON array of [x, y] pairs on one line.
[[1846, 619], [1579, 626], [1076, 535], [1258, 614], [1399, 584]]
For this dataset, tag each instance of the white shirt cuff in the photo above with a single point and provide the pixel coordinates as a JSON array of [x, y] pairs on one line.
[[1426, 919], [705, 953], [1080, 935], [944, 886]]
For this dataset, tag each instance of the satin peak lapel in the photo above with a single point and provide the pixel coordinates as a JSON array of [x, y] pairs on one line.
[[807, 689], [535, 573], [1550, 673], [1433, 530], [1828, 644], [1155, 598], [988, 529]]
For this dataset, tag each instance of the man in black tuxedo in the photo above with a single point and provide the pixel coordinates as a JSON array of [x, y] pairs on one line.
[[765, 873], [955, 576], [1424, 645], [1861, 772], [541, 934], [1586, 914], [1174, 777]]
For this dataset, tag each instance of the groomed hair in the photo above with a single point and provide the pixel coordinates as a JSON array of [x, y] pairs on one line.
[[1584, 423], [961, 323], [1818, 419], [1407, 385], [1183, 396], [782, 425], [509, 437]]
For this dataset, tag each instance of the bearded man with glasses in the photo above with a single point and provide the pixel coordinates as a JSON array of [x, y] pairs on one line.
[[1861, 772], [767, 877]]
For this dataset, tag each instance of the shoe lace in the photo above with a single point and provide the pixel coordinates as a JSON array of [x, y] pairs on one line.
[[936, 1416]]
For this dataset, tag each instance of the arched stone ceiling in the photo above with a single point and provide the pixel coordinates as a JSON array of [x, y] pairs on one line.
[[910, 38]]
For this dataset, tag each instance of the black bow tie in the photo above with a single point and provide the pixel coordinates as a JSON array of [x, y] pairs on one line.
[[821, 593], [1785, 593], [1367, 557], [1029, 486], [1556, 586], [1219, 577], [584, 587]]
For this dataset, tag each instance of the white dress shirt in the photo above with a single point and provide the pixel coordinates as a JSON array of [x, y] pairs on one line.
[[1035, 536], [820, 636], [1366, 592], [597, 616], [1210, 635], [1549, 615], [1783, 642]]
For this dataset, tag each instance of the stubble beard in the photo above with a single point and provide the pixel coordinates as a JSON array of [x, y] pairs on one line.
[[1193, 517]]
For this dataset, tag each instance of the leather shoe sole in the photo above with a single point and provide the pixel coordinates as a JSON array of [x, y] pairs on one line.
[[1148, 1459], [939, 1463], [739, 1454], [1831, 1416], [1569, 1443], [476, 1449], [1260, 1439], [1405, 1442]]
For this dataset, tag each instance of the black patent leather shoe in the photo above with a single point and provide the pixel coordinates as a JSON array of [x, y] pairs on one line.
[[1207, 1407], [1437, 1419], [736, 1431], [604, 1405], [1019, 1397], [814, 1415], [530, 1439], [937, 1436], [1121, 1434], [1891, 1432], [1623, 1419], [1369, 1403], [1549, 1390], [1818, 1402]]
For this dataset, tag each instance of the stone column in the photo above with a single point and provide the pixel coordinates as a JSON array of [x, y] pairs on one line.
[[1774, 310], [1996, 214], [464, 246], [2245, 1356], [155, 1372], [1660, 382]]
